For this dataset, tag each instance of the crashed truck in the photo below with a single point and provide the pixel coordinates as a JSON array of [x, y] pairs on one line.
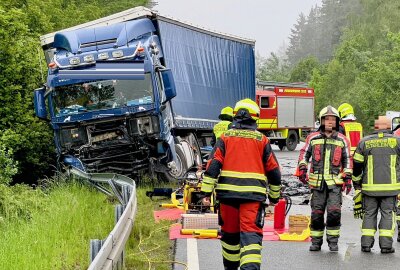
[[137, 91]]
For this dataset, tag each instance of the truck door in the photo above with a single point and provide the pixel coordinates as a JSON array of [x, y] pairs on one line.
[[268, 113]]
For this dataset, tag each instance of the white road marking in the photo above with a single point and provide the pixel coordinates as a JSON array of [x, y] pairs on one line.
[[192, 254]]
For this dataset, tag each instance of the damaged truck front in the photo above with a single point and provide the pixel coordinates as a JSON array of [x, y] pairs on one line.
[[136, 91]]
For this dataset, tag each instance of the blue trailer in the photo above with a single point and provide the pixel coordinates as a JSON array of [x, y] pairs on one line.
[[138, 91]]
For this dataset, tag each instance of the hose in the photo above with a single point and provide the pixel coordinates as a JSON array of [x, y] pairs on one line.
[[288, 203]]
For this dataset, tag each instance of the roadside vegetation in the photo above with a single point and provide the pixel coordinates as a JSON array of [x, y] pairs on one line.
[[51, 229]]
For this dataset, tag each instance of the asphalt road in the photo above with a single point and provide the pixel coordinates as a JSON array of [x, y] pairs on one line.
[[204, 254]]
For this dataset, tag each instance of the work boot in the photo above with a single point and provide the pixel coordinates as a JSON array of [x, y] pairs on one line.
[[387, 250], [315, 247], [333, 247], [365, 249]]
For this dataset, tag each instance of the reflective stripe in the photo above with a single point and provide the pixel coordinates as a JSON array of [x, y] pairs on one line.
[[380, 187], [251, 258], [303, 162], [368, 232], [328, 141], [241, 188], [370, 170], [251, 247], [349, 171], [398, 218], [230, 247], [208, 184], [317, 233], [248, 175], [393, 176], [209, 180], [356, 178], [274, 191], [358, 157], [333, 232], [327, 162], [386, 233], [231, 257]]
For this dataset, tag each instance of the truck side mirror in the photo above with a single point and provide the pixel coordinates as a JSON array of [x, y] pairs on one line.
[[395, 123], [169, 84], [40, 104]]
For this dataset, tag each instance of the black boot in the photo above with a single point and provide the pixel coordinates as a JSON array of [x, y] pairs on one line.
[[315, 247], [333, 246], [365, 249], [387, 250]]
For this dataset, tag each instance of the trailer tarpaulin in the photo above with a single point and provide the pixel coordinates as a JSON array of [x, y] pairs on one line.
[[210, 72]]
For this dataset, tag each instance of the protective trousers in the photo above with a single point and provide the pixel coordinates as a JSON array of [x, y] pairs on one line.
[[398, 216], [331, 200], [241, 230], [387, 224]]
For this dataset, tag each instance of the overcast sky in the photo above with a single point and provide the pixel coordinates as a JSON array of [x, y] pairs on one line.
[[267, 21]]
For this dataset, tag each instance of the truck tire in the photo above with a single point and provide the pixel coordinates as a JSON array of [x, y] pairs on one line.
[[281, 145], [292, 140], [181, 168]]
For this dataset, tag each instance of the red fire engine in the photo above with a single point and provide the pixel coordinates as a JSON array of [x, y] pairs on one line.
[[286, 112]]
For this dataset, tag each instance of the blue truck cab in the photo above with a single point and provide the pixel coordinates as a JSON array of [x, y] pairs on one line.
[[136, 91]]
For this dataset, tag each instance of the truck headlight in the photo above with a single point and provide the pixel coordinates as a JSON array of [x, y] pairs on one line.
[[144, 125]]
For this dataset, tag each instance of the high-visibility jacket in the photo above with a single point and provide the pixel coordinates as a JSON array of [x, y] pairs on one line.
[[220, 128], [354, 133], [241, 166], [329, 156], [377, 165]]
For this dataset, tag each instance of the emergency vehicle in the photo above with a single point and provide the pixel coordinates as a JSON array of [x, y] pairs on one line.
[[286, 112]]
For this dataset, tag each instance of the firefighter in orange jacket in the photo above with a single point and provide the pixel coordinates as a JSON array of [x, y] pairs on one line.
[[349, 126], [330, 174], [241, 168]]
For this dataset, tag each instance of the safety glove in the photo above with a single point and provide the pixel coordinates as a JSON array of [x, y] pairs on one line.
[[303, 175], [346, 183], [358, 207]]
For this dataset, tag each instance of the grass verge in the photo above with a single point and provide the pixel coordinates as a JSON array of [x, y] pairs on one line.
[[57, 231], [149, 246]]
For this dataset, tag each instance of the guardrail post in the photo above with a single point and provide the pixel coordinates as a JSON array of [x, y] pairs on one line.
[[119, 209], [95, 246], [126, 193]]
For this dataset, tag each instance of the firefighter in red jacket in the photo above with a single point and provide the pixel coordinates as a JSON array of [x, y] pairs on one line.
[[242, 167], [330, 174], [349, 126]]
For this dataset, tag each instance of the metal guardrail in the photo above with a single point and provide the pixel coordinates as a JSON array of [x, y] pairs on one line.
[[109, 253]]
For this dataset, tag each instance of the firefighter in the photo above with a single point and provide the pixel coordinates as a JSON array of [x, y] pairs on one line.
[[242, 166], [349, 126], [225, 116], [376, 176], [330, 174]]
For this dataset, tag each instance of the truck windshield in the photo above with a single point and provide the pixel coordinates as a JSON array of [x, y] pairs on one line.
[[98, 95]]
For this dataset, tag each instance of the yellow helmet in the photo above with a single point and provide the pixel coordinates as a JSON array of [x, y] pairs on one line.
[[227, 112], [345, 109], [250, 106], [329, 110]]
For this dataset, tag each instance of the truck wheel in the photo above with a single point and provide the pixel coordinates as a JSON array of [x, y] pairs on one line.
[[181, 168], [292, 140], [281, 145]]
